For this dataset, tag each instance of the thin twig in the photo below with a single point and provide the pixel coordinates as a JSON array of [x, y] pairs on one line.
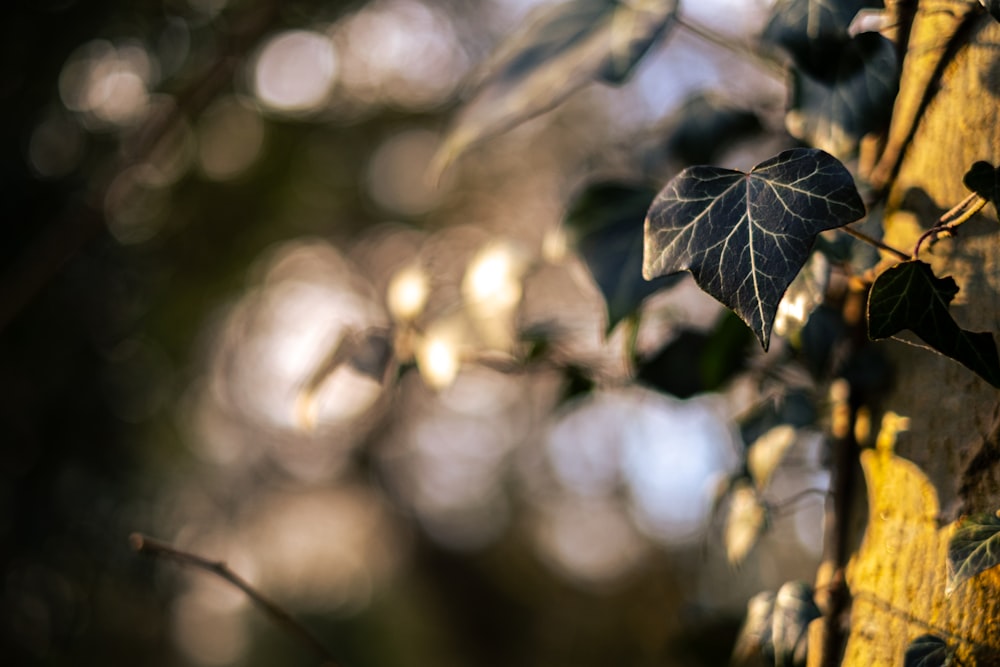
[[861, 236], [281, 618]]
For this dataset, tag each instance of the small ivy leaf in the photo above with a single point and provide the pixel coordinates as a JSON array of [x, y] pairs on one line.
[[835, 112], [745, 521], [984, 179], [929, 651], [974, 548], [794, 609], [560, 49], [745, 236], [813, 31], [606, 220], [993, 7], [909, 296]]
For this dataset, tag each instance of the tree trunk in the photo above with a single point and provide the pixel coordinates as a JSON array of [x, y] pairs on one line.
[[947, 463]]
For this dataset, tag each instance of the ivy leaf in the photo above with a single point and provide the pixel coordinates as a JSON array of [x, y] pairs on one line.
[[776, 628], [835, 111], [794, 609], [909, 296], [606, 220], [928, 651], [560, 49], [745, 236], [983, 179], [974, 548], [813, 31]]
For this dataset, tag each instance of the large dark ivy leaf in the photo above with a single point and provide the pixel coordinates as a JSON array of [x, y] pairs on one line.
[[909, 296], [974, 548], [745, 236], [606, 222], [560, 49], [813, 31], [835, 111], [928, 651]]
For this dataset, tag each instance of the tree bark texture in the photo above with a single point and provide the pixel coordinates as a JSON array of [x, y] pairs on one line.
[[946, 117]]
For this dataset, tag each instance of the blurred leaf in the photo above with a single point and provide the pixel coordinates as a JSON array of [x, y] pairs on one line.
[[813, 31], [755, 646], [928, 651], [835, 112], [745, 236], [909, 296], [819, 339], [694, 362], [767, 451], [705, 126], [607, 220], [776, 629], [794, 609], [795, 408], [726, 352], [560, 49], [974, 548], [745, 521], [984, 179]]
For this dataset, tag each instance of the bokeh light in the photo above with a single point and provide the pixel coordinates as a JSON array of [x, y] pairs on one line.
[[109, 84], [295, 71], [418, 62], [397, 173], [230, 139]]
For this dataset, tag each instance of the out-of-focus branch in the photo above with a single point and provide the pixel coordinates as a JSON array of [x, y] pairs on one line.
[[281, 618]]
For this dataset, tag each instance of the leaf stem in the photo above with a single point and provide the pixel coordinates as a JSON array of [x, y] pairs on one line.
[[870, 240], [962, 211], [281, 618]]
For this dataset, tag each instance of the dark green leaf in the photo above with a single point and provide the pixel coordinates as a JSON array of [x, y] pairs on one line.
[[834, 112], [606, 222], [910, 296], [745, 236], [974, 548], [560, 49], [984, 179], [813, 31], [928, 651]]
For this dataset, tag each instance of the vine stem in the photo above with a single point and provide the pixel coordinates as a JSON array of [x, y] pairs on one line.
[[150, 547], [861, 236], [962, 211]]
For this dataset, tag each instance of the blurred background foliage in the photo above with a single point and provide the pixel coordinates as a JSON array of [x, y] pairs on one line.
[[237, 316]]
